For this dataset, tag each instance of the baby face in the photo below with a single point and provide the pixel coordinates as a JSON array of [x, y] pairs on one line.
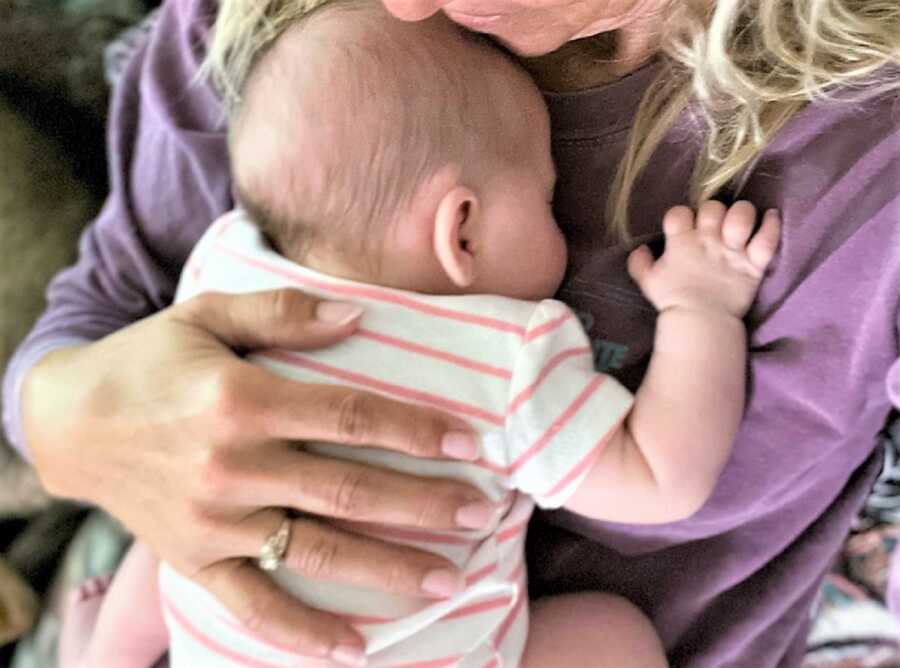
[[525, 254]]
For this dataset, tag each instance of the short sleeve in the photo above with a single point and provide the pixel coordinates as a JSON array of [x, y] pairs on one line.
[[561, 412]]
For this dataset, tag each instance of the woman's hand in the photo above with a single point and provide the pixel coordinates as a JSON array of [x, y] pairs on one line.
[[190, 447]]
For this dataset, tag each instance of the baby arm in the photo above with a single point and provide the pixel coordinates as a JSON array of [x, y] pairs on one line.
[[130, 631], [662, 462]]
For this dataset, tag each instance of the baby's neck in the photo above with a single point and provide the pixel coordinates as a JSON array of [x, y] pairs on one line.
[[389, 270], [363, 270]]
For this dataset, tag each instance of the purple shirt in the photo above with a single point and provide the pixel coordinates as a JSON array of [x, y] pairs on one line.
[[732, 585]]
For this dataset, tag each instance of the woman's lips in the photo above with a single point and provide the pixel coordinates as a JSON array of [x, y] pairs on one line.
[[473, 21]]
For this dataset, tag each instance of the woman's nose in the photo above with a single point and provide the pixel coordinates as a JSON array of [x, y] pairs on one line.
[[413, 10]]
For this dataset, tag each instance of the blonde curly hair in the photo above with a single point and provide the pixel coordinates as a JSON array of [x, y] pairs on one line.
[[745, 67]]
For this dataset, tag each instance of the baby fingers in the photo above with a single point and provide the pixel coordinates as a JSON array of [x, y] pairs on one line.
[[764, 243], [738, 225]]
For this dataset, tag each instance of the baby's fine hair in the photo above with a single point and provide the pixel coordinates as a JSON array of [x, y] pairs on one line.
[[372, 106]]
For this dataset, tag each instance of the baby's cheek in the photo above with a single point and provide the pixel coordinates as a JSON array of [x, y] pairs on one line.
[[561, 252], [552, 266]]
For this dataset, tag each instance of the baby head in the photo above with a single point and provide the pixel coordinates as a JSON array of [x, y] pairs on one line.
[[409, 155]]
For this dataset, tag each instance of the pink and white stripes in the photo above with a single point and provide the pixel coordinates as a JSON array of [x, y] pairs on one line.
[[520, 373]]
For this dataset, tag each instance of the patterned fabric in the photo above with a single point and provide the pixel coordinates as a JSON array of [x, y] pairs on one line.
[[883, 504], [853, 627], [521, 373]]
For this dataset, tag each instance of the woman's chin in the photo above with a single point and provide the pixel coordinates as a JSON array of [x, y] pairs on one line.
[[530, 48]]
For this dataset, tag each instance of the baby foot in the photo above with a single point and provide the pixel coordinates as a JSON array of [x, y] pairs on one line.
[[79, 619], [712, 261]]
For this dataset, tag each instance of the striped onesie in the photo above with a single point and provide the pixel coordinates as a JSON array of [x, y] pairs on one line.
[[519, 372]]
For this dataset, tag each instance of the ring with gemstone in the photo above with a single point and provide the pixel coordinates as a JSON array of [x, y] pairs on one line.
[[271, 554]]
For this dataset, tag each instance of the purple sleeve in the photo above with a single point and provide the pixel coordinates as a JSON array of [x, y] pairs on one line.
[[169, 180]]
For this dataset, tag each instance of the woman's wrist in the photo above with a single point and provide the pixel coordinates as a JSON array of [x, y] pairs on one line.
[[47, 394], [29, 354]]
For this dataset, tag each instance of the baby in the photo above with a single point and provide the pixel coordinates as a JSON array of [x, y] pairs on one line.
[[406, 167]]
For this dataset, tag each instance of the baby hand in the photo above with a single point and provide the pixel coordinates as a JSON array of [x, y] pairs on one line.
[[712, 261]]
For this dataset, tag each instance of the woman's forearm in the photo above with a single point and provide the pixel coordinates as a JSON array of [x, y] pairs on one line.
[[130, 256]]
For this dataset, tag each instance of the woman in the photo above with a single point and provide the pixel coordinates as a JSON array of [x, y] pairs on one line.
[[147, 411]]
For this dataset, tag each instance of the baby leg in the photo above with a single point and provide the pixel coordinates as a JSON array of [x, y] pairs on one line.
[[591, 630]]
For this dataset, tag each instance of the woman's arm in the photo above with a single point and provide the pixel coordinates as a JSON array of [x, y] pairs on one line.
[[168, 180], [155, 418]]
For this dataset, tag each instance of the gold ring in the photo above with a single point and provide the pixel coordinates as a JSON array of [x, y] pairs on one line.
[[271, 554]]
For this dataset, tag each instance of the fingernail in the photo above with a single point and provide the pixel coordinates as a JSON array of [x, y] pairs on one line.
[[474, 515], [771, 212], [349, 656], [337, 313], [442, 582], [460, 445]]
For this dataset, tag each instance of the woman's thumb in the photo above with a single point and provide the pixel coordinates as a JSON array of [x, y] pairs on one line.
[[283, 318]]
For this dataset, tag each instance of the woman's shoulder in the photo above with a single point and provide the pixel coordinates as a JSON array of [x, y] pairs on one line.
[[196, 11], [839, 156], [168, 68], [849, 124]]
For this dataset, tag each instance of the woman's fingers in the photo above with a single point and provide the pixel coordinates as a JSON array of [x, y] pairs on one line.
[[264, 609], [278, 408], [272, 319], [254, 403], [281, 476], [319, 551], [278, 476]]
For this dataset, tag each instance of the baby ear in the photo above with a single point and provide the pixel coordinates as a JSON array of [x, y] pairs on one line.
[[454, 229]]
